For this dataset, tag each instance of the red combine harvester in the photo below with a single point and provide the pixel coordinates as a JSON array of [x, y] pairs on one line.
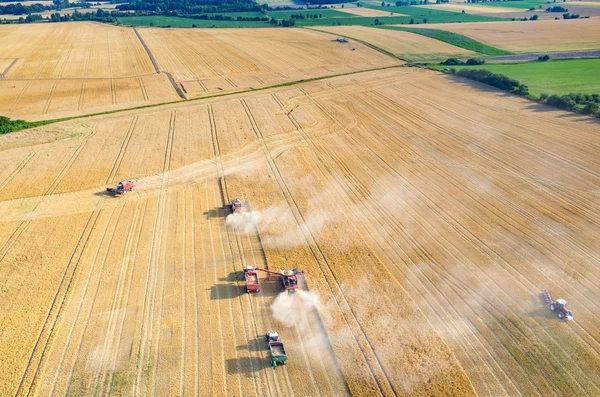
[[559, 306], [237, 206], [251, 278], [122, 188], [287, 277]]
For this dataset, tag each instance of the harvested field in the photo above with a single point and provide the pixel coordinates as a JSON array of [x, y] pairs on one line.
[[47, 99], [368, 12], [426, 214], [68, 69], [209, 61], [408, 46], [575, 34], [73, 50]]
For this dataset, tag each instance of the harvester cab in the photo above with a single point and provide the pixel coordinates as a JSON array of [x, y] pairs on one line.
[[272, 336], [237, 205], [560, 307]]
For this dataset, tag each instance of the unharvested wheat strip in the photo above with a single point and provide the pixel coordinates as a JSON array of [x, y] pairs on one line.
[[242, 358], [220, 383], [146, 331], [166, 371], [309, 362], [206, 317], [121, 355], [110, 345], [17, 169]]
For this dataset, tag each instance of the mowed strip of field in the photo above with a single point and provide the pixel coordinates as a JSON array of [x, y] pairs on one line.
[[427, 214], [405, 45], [207, 61], [575, 34]]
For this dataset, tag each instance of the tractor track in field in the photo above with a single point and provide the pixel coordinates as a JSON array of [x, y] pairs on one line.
[[17, 169], [110, 346], [7, 69], [542, 354], [385, 386], [117, 164], [279, 388], [69, 275], [106, 241], [224, 195]]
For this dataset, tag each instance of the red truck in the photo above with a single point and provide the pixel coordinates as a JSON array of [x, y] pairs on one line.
[[251, 278], [122, 188]]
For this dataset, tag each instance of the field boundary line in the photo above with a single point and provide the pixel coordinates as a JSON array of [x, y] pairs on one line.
[[34, 124], [148, 52]]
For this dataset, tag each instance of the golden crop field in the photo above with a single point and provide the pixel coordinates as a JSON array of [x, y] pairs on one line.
[[426, 214], [547, 35], [408, 45], [206, 61]]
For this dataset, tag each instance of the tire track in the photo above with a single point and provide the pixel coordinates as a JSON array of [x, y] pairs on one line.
[[109, 347], [225, 196], [18, 169], [378, 372], [117, 164]]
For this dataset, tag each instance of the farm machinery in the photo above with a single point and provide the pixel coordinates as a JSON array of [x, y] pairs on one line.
[[251, 278], [121, 188], [558, 306], [237, 206], [275, 345], [287, 277]]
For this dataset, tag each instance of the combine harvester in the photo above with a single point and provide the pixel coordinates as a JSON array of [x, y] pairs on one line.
[[275, 345], [559, 306], [288, 277], [122, 188], [237, 206]]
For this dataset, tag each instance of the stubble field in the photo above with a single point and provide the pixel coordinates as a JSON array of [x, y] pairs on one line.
[[426, 214], [538, 36], [50, 71], [407, 45]]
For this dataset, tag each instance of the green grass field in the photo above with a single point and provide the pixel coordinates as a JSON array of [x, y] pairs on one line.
[[552, 77], [177, 22], [453, 38]]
